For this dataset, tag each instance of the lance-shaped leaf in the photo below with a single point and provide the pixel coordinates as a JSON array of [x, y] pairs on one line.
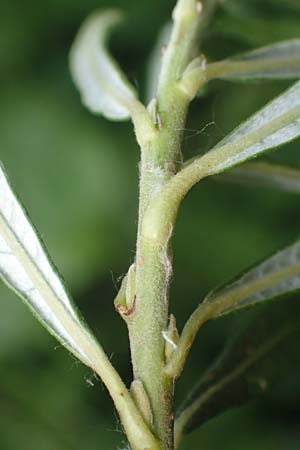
[[25, 267], [282, 178], [274, 125], [280, 60], [255, 359], [104, 88], [274, 277]]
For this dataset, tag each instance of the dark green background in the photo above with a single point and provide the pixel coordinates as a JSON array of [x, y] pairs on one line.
[[77, 175]]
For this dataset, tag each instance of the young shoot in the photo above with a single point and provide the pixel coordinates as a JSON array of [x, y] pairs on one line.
[[158, 349]]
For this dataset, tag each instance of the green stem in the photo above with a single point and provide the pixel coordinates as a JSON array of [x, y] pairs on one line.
[[187, 17], [161, 154], [162, 212], [146, 324]]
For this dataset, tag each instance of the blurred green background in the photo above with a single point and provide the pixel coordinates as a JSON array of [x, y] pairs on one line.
[[77, 175]]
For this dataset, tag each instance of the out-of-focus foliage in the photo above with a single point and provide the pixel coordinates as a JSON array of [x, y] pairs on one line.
[[265, 351], [266, 174], [77, 176]]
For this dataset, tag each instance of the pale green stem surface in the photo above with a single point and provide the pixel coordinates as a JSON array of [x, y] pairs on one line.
[[160, 195], [161, 154], [161, 192], [167, 204]]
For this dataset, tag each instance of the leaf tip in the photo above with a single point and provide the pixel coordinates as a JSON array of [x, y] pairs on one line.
[[103, 87]]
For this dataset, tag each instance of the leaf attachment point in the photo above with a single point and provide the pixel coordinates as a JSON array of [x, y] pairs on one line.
[[274, 125]]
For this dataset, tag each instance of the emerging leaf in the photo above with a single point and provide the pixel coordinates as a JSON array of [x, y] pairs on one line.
[[266, 174], [274, 125], [256, 358], [103, 86], [155, 61], [25, 268], [276, 276], [280, 60]]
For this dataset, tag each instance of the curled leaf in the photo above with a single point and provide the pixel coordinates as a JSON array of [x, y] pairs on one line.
[[103, 86]]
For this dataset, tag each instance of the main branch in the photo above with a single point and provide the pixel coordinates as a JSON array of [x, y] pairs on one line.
[[161, 154]]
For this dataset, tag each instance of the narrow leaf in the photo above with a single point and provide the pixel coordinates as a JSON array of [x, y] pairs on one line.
[[259, 356], [25, 268], [274, 125], [266, 174], [280, 60], [276, 276], [102, 84]]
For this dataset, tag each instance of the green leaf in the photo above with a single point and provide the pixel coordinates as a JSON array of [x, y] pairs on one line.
[[266, 174], [257, 357], [276, 276], [280, 60], [26, 269], [274, 125], [104, 88]]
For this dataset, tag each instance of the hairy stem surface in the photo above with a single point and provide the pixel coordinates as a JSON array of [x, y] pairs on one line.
[[161, 157]]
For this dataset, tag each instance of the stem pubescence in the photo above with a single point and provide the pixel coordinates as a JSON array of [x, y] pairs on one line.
[[160, 157]]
